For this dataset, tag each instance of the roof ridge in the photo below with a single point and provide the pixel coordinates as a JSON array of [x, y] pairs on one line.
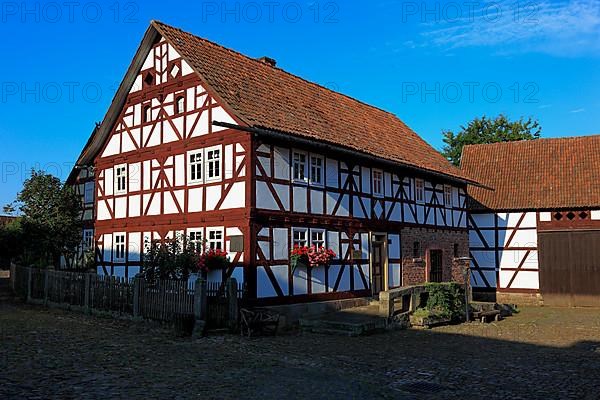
[[276, 68], [523, 141]]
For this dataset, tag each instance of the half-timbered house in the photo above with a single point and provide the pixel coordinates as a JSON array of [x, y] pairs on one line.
[[205, 142], [536, 236]]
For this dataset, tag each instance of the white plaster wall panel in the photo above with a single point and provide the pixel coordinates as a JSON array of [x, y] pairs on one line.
[[316, 201], [108, 182], [238, 161], [455, 197], [394, 275], [483, 220], [180, 177], [201, 127], [344, 285], [236, 198], [134, 206], [102, 212], [476, 241], [154, 208], [172, 53], [300, 199], [357, 210], [169, 207], [134, 246], [344, 208], [530, 220], [120, 207], [364, 245], [214, 276], [396, 211], [420, 214], [126, 143], [331, 200], [185, 68], [333, 242], [263, 148], [318, 280], [107, 244], [195, 199], [281, 249], [169, 134], [367, 203], [149, 61], [408, 215], [264, 286], [431, 217], [281, 157], [118, 272], [228, 167], [387, 184], [365, 178], [133, 271], [513, 258], [146, 178], [238, 274], [456, 215], [220, 115], [358, 283], [213, 194], [394, 246], [484, 258], [477, 278], [190, 101], [521, 238], [283, 192], [300, 281], [331, 173], [547, 217], [523, 279], [134, 177], [137, 84], [265, 248], [440, 217], [595, 214], [462, 220], [265, 163], [264, 198]]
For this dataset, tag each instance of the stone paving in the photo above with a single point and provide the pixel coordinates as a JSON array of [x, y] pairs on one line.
[[541, 353]]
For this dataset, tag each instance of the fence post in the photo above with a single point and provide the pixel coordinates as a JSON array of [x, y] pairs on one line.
[[29, 284], [136, 296], [13, 275], [46, 286], [199, 307], [233, 303], [86, 293]]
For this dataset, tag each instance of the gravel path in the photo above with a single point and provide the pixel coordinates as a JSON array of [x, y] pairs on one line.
[[541, 353]]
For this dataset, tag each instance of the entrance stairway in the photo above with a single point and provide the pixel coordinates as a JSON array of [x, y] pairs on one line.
[[355, 321]]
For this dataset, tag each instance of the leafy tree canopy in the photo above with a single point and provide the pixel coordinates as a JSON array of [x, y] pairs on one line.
[[50, 218], [488, 130]]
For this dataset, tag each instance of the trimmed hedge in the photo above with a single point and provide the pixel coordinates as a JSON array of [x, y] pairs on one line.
[[446, 299]]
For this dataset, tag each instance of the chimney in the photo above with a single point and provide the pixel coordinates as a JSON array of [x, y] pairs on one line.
[[268, 60]]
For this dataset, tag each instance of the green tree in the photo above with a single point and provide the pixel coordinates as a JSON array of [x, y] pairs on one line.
[[488, 130], [11, 240], [50, 219]]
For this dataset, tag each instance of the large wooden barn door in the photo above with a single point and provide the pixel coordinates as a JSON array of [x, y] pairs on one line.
[[570, 268]]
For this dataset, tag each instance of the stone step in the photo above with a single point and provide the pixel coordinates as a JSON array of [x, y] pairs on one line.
[[350, 322]]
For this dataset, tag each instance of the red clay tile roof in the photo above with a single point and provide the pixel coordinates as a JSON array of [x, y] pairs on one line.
[[267, 97], [536, 174]]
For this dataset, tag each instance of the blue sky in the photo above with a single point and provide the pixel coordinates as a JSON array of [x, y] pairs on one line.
[[436, 65]]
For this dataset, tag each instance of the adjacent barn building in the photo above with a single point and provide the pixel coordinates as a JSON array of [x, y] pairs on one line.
[[204, 142], [536, 237]]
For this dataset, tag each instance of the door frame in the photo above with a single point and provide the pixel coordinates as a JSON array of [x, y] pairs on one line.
[[384, 260], [428, 262]]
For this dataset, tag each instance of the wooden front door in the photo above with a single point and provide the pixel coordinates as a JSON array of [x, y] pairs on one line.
[[377, 265], [435, 266], [569, 268]]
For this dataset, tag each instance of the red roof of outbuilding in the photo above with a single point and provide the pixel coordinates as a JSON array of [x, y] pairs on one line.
[[536, 174]]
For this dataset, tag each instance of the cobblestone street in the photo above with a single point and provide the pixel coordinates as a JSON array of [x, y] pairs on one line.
[[541, 353]]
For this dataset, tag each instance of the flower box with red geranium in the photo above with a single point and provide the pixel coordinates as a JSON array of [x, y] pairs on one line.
[[213, 259], [313, 256]]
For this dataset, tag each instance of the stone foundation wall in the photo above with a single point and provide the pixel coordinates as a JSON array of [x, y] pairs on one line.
[[415, 270], [520, 299]]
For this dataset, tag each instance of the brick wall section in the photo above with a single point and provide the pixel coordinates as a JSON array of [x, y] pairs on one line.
[[415, 270]]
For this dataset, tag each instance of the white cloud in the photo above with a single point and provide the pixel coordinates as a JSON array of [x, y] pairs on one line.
[[577, 111], [562, 28]]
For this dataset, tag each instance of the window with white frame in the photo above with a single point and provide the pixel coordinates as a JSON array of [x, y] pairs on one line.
[[195, 239], [213, 163], [195, 166], [121, 179], [317, 237], [316, 170], [377, 182], [214, 238], [88, 192], [88, 239], [300, 237], [119, 247], [419, 190], [448, 195], [299, 167]]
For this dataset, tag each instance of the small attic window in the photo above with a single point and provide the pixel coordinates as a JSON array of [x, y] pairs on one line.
[[179, 105], [147, 115], [148, 79]]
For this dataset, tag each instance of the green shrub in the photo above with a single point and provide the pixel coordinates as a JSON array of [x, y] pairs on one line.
[[446, 299]]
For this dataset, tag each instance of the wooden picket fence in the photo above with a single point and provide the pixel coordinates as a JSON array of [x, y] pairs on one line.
[[164, 300]]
